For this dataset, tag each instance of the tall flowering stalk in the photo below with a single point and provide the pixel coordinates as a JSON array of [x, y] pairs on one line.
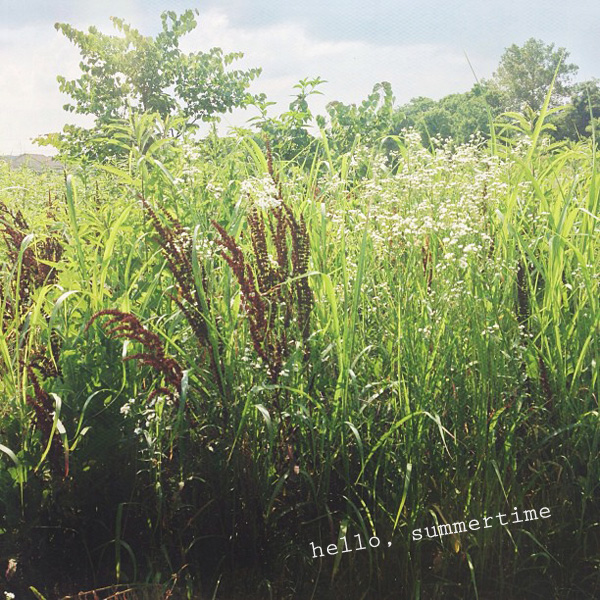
[[273, 278], [43, 408], [176, 244], [123, 325], [192, 291], [43, 405], [37, 260]]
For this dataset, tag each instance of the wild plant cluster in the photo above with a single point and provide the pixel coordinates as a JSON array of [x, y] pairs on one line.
[[212, 357], [127, 326], [37, 266], [275, 290]]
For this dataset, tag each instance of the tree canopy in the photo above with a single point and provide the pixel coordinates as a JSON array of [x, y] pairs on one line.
[[525, 74], [133, 72]]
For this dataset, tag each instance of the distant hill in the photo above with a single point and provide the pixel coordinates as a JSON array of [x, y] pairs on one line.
[[35, 162]]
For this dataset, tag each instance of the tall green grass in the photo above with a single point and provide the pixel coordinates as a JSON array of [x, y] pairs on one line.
[[450, 372]]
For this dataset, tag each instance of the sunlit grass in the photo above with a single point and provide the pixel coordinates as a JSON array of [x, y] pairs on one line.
[[449, 370]]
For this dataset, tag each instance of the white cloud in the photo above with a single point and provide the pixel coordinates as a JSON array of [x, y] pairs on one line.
[[287, 54], [30, 103], [31, 57]]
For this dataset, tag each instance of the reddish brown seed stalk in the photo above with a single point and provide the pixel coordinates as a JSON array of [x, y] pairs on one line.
[[127, 326], [427, 263], [43, 408], [270, 301], [37, 260]]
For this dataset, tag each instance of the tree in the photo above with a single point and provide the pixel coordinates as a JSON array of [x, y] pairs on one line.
[[456, 116], [581, 114], [373, 119], [132, 72], [525, 74], [288, 133], [471, 111]]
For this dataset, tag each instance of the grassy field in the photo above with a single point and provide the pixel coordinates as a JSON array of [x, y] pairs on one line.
[[211, 358]]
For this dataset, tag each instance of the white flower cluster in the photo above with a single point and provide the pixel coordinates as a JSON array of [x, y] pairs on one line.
[[445, 197], [261, 191], [214, 189]]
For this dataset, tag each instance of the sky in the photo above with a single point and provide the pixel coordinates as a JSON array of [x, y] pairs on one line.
[[419, 47]]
